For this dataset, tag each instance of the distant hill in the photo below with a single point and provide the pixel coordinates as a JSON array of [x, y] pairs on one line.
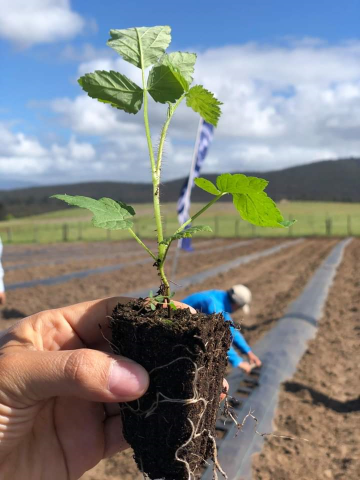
[[329, 180]]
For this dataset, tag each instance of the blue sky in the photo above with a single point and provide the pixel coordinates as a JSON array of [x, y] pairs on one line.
[[287, 72]]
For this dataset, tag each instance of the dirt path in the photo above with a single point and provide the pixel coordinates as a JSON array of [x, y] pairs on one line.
[[322, 401], [26, 301], [57, 260], [274, 281]]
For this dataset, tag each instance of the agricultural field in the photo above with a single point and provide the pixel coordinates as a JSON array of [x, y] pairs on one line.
[[320, 403], [72, 224]]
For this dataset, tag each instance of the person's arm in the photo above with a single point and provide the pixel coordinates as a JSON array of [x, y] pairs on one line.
[[234, 358], [240, 341]]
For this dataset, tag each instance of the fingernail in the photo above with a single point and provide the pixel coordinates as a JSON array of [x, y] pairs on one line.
[[127, 380]]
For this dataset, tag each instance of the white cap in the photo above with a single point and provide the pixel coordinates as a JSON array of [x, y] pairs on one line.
[[240, 295]]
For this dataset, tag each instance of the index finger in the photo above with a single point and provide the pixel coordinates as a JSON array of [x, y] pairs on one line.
[[65, 328], [86, 317]]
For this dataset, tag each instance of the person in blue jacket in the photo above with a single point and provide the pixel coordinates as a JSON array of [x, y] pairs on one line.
[[226, 302]]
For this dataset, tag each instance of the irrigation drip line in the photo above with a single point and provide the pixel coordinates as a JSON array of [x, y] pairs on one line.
[[94, 271], [71, 276], [211, 272], [59, 259], [280, 351]]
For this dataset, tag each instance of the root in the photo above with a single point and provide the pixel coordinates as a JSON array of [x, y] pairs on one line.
[[250, 414], [113, 347], [195, 433]]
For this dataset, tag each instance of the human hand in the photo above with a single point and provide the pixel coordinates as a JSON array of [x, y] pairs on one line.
[[253, 359], [245, 366], [2, 298], [53, 422]]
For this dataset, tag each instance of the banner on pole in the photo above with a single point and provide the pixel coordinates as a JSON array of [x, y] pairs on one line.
[[203, 140]]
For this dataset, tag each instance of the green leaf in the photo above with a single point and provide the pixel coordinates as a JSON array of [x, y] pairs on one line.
[[189, 232], [150, 41], [228, 183], [152, 306], [287, 223], [108, 213], [114, 88], [183, 61], [258, 209], [165, 84], [203, 102], [207, 186], [173, 306], [239, 183], [257, 184]]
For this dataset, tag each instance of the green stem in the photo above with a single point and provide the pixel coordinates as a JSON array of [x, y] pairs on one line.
[[155, 175], [142, 244], [172, 109], [200, 212], [194, 217], [146, 116]]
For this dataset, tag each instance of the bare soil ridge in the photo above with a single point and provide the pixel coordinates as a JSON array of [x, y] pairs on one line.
[[322, 401]]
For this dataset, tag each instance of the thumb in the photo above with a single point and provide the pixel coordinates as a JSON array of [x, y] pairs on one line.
[[30, 377]]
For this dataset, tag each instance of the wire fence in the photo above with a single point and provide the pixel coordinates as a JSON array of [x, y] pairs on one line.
[[222, 226]]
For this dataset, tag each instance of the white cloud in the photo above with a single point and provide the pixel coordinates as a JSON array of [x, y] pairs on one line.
[[29, 22], [25, 157], [283, 106]]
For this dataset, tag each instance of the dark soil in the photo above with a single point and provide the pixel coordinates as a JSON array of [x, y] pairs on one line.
[[172, 427]]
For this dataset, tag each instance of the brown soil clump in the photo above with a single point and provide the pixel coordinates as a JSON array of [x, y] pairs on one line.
[[172, 427]]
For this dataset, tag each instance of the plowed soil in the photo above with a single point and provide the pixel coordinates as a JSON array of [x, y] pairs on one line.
[[321, 403], [274, 281]]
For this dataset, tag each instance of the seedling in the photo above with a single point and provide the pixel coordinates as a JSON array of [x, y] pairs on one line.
[[172, 427], [168, 82], [161, 300]]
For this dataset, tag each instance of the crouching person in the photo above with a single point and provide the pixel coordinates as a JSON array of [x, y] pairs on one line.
[[226, 302]]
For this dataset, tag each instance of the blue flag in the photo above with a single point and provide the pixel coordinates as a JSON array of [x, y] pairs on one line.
[[203, 141]]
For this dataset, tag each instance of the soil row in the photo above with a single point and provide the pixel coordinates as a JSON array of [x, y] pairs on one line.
[[55, 265], [32, 255], [321, 403], [30, 300]]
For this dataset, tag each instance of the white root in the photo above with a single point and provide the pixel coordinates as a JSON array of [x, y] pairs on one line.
[[161, 398]]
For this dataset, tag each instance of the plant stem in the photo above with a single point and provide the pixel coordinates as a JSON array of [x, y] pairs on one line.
[[171, 111], [194, 217], [142, 243], [155, 175], [163, 248]]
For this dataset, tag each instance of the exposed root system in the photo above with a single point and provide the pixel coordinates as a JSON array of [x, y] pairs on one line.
[[172, 427]]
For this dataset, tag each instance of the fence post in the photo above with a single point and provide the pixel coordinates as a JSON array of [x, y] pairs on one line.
[[237, 228], [349, 229], [65, 231], [80, 237], [9, 235], [290, 229], [216, 226], [328, 225]]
